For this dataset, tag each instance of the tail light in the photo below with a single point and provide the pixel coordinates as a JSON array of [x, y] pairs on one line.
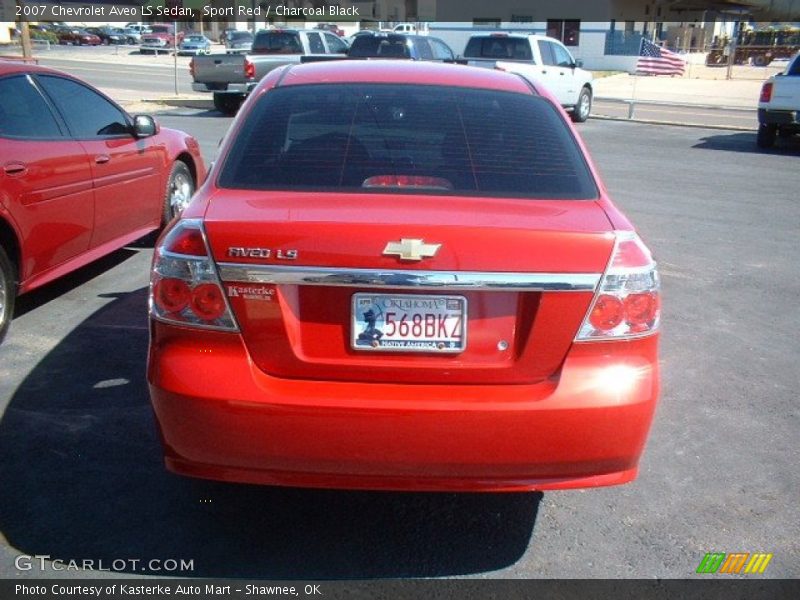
[[249, 69], [766, 92], [185, 288], [407, 181], [191, 68], [628, 301]]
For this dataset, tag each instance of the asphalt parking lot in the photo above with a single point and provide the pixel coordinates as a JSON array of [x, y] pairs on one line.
[[81, 466]]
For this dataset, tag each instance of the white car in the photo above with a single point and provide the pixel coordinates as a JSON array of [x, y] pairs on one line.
[[540, 59], [153, 44], [133, 33], [779, 105]]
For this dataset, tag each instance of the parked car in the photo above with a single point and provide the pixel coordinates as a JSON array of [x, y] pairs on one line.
[[77, 37], [540, 59], [332, 27], [79, 177], [133, 33], [399, 45], [231, 77], [153, 44], [239, 41], [109, 35], [403, 276], [194, 44], [362, 32], [405, 28], [779, 105], [160, 38]]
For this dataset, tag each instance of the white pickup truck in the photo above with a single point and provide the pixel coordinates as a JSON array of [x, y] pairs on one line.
[[539, 59], [779, 105]]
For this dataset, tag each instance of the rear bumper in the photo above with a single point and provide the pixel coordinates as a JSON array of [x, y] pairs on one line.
[[790, 118], [224, 88], [222, 418]]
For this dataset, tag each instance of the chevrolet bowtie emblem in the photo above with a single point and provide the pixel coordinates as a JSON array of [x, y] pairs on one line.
[[407, 249]]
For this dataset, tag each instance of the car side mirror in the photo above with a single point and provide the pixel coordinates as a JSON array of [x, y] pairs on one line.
[[144, 126], [577, 64]]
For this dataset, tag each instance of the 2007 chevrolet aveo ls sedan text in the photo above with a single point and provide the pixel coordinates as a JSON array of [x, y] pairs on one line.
[[403, 276]]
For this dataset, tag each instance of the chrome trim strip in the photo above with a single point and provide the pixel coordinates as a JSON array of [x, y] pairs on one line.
[[410, 280]]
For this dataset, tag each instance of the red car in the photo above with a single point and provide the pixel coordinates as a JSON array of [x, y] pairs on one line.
[[403, 276], [79, 177], [332, 27], [78, 37], [166, 33]]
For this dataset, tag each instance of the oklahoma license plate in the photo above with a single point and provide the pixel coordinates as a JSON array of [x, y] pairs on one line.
[[389, 322]]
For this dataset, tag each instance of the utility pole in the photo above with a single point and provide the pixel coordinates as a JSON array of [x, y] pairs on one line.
[[732, 50], [175, 53], [27, 52], [25, 35]]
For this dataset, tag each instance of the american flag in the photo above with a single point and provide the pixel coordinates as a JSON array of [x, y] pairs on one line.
[[654, 60]]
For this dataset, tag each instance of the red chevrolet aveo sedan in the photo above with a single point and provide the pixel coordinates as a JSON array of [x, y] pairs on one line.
[[79, 177], [403, 276]]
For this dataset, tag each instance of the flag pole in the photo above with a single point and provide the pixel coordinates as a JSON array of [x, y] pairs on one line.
[[636, 74]]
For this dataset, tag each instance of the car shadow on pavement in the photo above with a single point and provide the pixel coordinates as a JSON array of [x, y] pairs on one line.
[[746, 142], [83, 479], [39, 297]]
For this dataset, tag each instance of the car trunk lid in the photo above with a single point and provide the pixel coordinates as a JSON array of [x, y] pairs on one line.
[[299, 268]]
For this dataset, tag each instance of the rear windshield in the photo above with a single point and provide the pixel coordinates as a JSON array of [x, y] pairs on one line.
[[400, 138], [502, 48], [241, 35], [277, 42], [378, 46]]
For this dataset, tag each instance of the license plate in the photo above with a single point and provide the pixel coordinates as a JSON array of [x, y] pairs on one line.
[[400, 323]]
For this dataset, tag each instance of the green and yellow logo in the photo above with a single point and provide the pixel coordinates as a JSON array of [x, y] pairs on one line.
[[740, 562]]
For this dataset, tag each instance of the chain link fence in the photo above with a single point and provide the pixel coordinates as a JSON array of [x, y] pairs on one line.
[[715, 60], [711, 62]]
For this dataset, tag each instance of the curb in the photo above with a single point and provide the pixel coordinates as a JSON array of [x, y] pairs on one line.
[[673, 123], [182, 102], [675, 104]]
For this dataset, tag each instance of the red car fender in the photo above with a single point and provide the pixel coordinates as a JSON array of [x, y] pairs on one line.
[[180, 146]]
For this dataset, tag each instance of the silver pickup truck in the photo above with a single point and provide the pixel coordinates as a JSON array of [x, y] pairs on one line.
[[230, 77]]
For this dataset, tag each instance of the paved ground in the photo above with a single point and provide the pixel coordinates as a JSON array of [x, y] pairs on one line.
[[708, 117], [130, 83], [82, 477]]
